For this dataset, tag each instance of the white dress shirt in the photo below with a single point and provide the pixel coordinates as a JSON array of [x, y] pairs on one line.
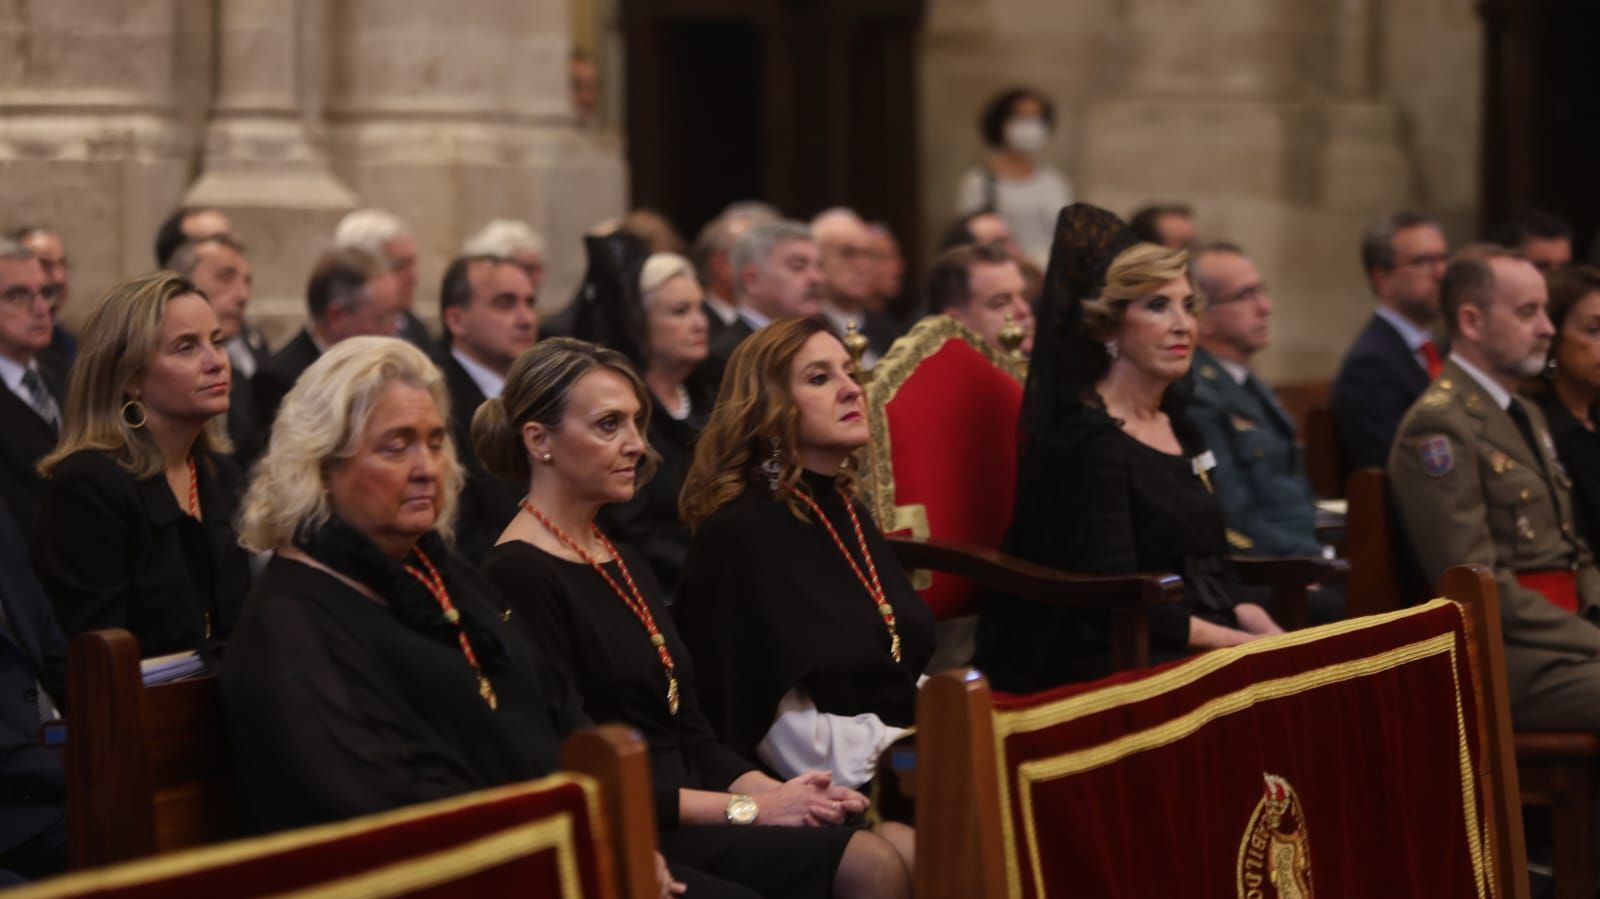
[[490, 383], [1414, 336]]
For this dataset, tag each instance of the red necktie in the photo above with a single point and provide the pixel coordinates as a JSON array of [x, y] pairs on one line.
[[1430, 355]]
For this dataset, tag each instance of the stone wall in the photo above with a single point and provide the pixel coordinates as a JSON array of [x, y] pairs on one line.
[[1288, 126], [287, 113]]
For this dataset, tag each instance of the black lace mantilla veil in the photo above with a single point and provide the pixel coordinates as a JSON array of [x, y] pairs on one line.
[[1066, 361]]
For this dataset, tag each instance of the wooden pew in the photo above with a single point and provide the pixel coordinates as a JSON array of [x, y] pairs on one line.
[[149, 773], [1556, 770], [968, 847]]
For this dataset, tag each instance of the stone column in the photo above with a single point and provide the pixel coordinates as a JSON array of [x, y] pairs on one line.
[[91, 139], [450, 114], [261, 165], [1268, 119]]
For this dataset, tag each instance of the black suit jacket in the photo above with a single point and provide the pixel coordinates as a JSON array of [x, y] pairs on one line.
[[273, 380], [487, 503], [115, 551], [414, 332], [1377, 382], [26, 439], [32, 652], [881, 331], [245, 427], [707, 376]]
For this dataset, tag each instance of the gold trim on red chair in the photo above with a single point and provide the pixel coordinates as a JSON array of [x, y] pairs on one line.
[[924, 339]]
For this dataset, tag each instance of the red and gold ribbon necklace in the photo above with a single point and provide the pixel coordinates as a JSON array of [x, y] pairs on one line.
[[873, 586], [428, 575], [631, 597], [194, 489]]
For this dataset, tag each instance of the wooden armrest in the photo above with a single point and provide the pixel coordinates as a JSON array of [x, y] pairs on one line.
[[1289, 579], [1556, 745], [1008, 574], [1298, 571]]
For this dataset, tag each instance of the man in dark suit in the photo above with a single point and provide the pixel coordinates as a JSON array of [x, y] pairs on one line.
[[350, 294], [50, 249], [218, 266], [382, 234], [777, 274], [712, 255], [1394, 357], [848, 268], [488, 309], [31, 397], [33, 658]]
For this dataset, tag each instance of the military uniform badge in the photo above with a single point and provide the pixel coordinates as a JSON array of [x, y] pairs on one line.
[[1437, 456]]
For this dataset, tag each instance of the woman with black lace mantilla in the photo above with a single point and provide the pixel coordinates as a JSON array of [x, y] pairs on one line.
[[1113, 478]]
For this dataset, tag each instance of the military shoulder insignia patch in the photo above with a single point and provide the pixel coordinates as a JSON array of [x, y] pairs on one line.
[[1437, 456]]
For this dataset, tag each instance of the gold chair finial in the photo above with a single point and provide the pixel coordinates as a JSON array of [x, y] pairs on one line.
[[1011, 337], [856, 344]]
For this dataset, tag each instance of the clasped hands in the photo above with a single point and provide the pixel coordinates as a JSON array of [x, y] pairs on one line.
[[809, 800]]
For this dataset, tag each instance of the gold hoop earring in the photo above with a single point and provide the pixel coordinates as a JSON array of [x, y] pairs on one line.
[[135, 405]]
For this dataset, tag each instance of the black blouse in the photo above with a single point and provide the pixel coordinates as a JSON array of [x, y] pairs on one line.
[[338, 708], [575, 619], [767, 604], [1579, 451], [115, 551], [650, 520], [1113, 506]]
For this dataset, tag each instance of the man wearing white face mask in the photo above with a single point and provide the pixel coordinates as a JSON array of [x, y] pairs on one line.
[[1012, 181]]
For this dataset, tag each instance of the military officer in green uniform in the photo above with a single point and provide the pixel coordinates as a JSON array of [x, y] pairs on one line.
[[1259, 478], [1476, 479]]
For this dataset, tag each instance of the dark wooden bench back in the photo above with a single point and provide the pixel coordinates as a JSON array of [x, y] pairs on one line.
[[148, 768]]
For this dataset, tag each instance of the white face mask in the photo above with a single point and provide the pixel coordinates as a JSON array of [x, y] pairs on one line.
[[1027, 135]]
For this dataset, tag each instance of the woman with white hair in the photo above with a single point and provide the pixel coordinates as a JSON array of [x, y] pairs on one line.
[[371, 668], [673, 338]]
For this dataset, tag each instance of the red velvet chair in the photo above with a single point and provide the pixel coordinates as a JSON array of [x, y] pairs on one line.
[[149, 773], [944, 408], [1316, 753]]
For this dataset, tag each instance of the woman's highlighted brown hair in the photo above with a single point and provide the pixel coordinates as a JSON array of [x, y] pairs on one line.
[[754, 407], [119, 339]]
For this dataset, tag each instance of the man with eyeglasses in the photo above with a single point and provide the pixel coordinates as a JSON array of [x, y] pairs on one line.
[[1394, 357], [31, 397], [51, 250], [351, 293], [1260, 477]]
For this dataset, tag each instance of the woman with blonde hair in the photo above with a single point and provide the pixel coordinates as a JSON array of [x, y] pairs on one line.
[[812, 636], [135, 527], [371, 667], [1113, 477], [571, 426]]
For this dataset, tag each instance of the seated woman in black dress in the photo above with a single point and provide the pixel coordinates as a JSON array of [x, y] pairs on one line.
[[1573, 399], [372, 667], [135, 529], [672, 342], [1113, 476], [571, 425], [810, 633]]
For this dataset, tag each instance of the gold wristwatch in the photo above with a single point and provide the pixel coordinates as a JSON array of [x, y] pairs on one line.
[[741, 809]]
